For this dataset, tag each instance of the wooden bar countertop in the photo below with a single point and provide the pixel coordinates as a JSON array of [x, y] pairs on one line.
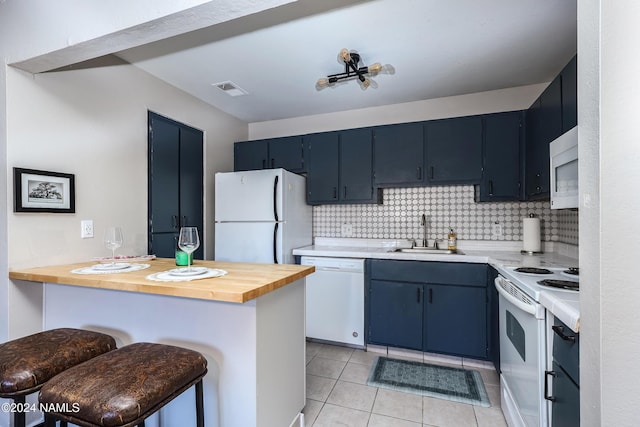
[[244, 281]]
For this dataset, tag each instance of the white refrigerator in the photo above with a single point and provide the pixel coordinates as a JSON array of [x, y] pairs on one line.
[[261, 216]]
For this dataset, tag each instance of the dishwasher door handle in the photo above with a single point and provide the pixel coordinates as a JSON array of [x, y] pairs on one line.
[[328, 268]]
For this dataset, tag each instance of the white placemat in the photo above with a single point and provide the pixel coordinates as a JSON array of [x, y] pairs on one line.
[[96, 269], [176, 276]]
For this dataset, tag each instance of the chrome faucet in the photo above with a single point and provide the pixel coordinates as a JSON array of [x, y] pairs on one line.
[[423, 223]]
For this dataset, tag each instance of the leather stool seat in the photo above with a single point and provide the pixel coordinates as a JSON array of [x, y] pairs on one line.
[[27, 363], [125, 386]]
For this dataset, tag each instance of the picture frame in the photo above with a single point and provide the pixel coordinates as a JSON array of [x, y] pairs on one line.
[[43, 191]]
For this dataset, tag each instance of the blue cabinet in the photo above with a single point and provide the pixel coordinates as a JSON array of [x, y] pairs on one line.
[[430, 306], [339, 167], [398, 155], [356, 163], [285, 152], [395, 314], [454, 150], [493, 319], [569, 77], [250, 155], [565, 406], [175, 169], [544, 124], [552, 114], [323, 168], [502, 162], [456, 320]]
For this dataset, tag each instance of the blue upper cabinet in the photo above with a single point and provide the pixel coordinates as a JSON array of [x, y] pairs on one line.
[[570, 95], [285, 152], [339, 167], [323, 168], [454, 150], [250, 155], [356, 162], [544, 124], [552, 114], [501, 174], [398, 155]]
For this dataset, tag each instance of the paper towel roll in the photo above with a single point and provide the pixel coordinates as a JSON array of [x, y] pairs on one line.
[[531, 234]]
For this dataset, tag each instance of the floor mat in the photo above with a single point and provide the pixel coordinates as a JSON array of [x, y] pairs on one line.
[[444, 382]]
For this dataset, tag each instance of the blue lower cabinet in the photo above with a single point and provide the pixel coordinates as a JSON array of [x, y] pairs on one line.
[[565, 410], [405, 310], [456, 320], [565, 406], [395, 314]]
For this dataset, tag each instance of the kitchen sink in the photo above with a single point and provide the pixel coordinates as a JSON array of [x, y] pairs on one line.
[[428, 251]]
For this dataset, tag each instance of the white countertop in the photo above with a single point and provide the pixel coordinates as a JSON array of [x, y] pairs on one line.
[[565, 306]]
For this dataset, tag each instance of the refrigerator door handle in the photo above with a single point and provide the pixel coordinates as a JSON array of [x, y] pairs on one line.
[[275, 240], [275, 200]]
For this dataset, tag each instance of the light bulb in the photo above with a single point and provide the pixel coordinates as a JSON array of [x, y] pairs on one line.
[[365, 84], [344, 55], [375, 68], [322, 82]]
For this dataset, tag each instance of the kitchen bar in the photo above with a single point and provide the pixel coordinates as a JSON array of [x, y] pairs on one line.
[[249, 324]]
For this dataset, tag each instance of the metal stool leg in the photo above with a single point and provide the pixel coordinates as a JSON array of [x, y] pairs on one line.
[[19, 418], [199, 405]]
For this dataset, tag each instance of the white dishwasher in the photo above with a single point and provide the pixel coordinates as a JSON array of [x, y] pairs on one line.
[[335, 300]]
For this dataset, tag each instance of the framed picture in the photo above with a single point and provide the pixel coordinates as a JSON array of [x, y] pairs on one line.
[[43, 191]]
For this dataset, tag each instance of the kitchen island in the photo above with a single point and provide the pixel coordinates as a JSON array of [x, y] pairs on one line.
[[249, 324]]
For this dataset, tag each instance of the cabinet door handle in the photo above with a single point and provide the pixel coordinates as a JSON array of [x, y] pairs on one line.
[[174, 221], [335, 192], [560, 331], [430, 295], [546, 385], [264, 163], [431, 172], [344, 191], [418, 295], [272, 163], [184, 221], [419, 173], [491, 187]]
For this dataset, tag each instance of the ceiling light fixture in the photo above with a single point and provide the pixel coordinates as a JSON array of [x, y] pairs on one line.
[[351, 71]]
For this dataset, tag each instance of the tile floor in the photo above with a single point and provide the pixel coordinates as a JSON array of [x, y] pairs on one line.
[[338, 395]]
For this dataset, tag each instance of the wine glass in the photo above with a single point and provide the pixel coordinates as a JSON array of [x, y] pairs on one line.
[[113, 240], [188, 242]]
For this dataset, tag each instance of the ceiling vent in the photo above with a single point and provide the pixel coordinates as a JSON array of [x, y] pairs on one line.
[[230, 88]]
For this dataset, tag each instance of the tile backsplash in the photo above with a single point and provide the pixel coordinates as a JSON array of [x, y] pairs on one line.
[[446, 207]]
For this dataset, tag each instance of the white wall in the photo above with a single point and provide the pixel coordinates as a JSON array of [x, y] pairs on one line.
[[609, 102], [93, 123], [591, 322], [478, 103]]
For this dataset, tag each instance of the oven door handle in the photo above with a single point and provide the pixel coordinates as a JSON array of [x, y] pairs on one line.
[[527, 308]]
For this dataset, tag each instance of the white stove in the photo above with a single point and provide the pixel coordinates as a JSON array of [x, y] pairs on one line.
[[523, 340], [528, 281]]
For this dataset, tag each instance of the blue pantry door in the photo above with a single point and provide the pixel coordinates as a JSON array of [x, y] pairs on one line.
[[175, 180]]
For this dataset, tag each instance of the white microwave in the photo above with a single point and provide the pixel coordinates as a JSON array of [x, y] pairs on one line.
[[563, 154]]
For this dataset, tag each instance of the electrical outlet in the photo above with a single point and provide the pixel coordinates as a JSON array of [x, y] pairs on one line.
[[86, 228], [496, 229], [346, 230]]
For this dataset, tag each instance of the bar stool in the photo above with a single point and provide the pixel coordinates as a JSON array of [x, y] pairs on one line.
[[125, 386], [27, 363]]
